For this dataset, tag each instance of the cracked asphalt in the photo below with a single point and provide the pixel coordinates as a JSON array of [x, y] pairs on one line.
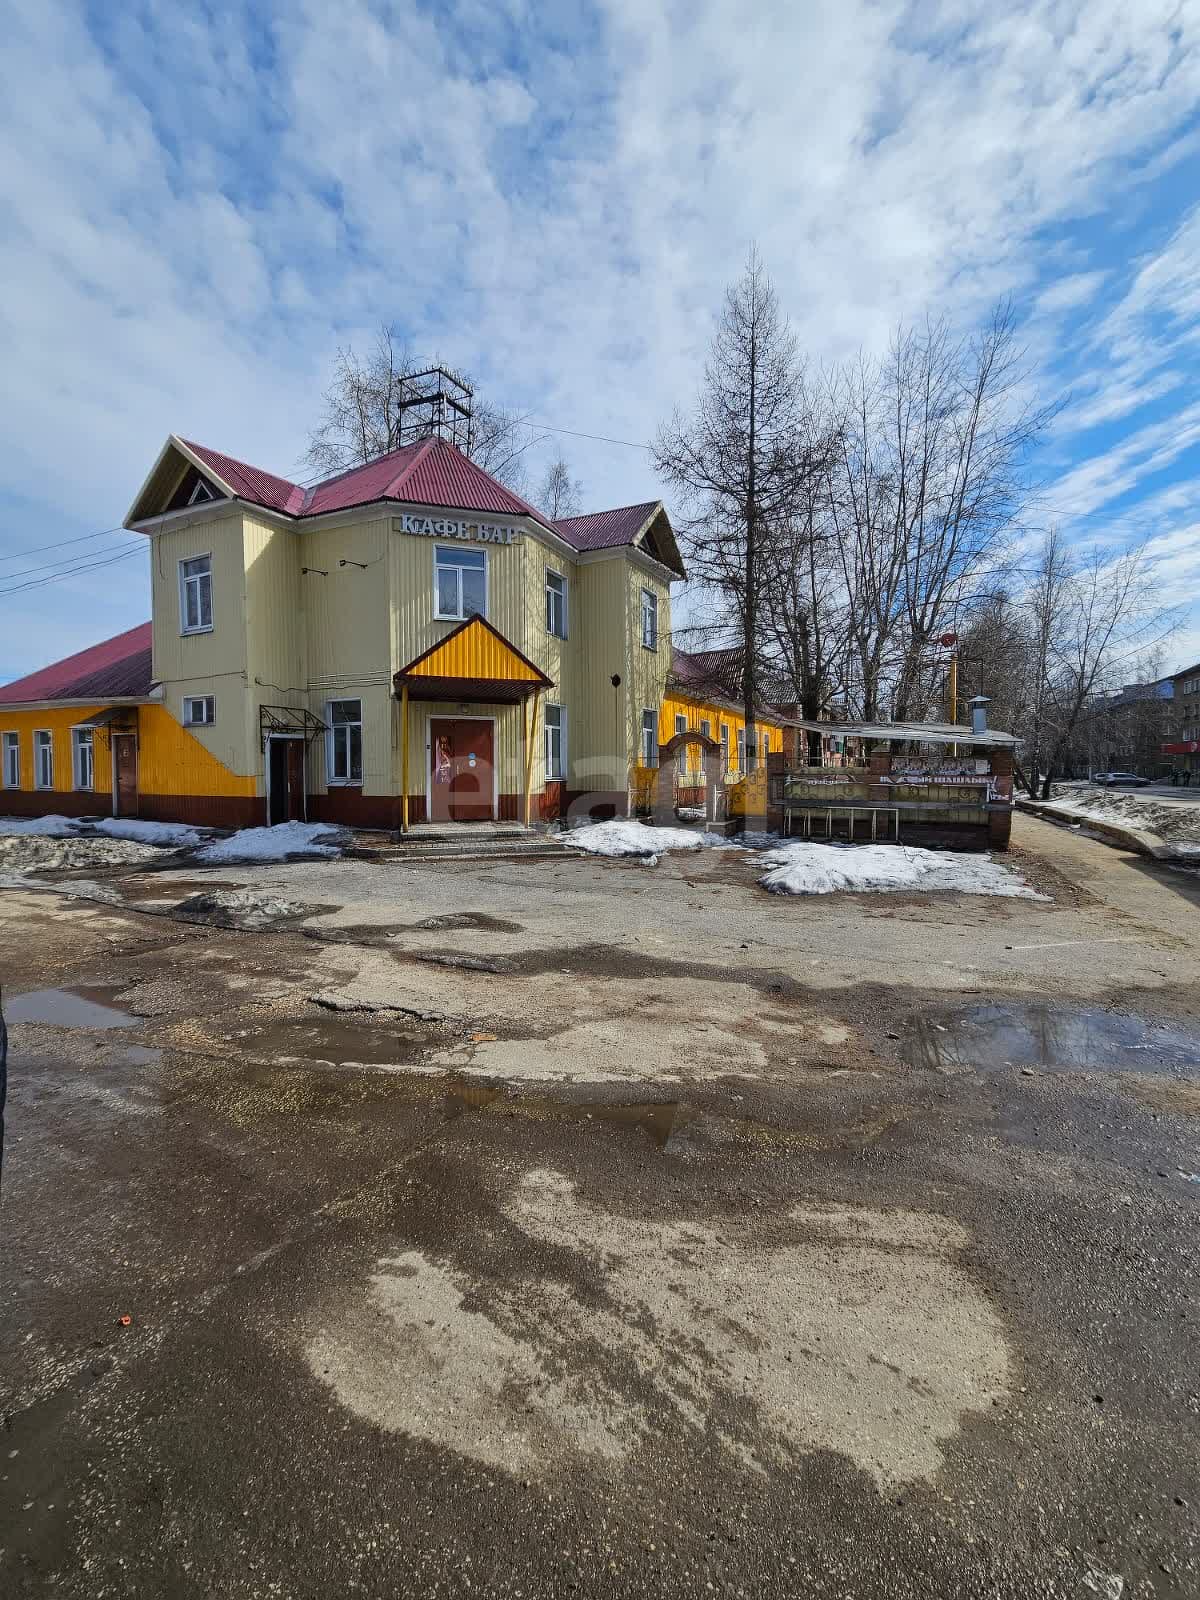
[[584, 1228]]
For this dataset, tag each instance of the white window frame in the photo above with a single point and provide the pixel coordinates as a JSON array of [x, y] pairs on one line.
[[725, 767], [459, 615], [205, 700], [351, 782], [10, 744], [79, 737], [741, 752], [681, 756], [650, 611], [765, 746], [201, 494], [561, 775], [203, 627], [649, 746], [559, 595], [37, 765]]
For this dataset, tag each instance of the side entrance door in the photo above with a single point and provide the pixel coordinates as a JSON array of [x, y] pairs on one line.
[[462, 766], [285, 780], [125, 784]]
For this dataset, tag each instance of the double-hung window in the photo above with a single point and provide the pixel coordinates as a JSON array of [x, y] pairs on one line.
[[741, 766], [681, 759], [199, 710], [649, 620], [195, 595], [724, 747], [84, 762], [43, 759], [649, 738], [766, 746], [11, 773], [343, 754], [556, 604], [556, 740], [460, 582]]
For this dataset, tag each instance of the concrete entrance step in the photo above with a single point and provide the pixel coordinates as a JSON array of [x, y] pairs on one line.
[[464, 841]]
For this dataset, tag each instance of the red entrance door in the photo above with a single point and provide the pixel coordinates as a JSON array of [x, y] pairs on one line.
[[462, 759], [125, 784]]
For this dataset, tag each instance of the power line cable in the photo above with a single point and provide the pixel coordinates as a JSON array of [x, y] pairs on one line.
[[57, 577], [57, 544], [48, 566]]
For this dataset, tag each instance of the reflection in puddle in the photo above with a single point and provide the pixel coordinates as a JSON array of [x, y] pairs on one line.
[[334, 1039], [1040, 1035], [87, 1006], [469, 1097]]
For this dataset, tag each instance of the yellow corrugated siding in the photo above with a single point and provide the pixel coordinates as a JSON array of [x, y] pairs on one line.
[[476, 652], [171, 761], [59, 721], [696, 710]]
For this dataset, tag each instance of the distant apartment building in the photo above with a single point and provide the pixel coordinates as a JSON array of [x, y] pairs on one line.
[[1181, 748]]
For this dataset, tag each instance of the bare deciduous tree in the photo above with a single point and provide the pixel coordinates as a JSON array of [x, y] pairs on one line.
[[359, 418], [930, 479], [560, 494], [1094, 613]]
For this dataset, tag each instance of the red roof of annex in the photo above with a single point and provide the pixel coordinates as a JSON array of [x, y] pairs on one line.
[[117, 669]]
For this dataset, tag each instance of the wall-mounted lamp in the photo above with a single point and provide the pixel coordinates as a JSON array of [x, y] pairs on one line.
[[344, 563], [320, 571]]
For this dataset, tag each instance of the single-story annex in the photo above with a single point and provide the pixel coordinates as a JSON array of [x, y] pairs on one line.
[[405, 641]]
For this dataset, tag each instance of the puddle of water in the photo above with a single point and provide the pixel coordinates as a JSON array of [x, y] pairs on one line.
[[334, 1038], [87, 1006], [1041, 1035], [465, 1097]]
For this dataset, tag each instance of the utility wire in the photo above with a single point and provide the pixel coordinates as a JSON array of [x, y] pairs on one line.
[[57, 544], [48, 566], [57, 577]]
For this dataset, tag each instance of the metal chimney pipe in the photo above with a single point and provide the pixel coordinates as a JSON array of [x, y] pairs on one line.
[[979, 705]]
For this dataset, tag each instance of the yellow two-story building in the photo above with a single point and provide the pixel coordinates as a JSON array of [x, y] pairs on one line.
[[406, 641]]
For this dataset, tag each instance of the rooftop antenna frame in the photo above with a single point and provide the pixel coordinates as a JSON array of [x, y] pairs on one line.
[[435, 403]]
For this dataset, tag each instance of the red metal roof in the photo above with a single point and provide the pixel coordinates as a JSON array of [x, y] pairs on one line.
[[250, 483], [431, 472], [605, 530], [118, 669]]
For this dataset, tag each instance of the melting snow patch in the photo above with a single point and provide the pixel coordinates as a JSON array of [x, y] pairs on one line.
[[164, 833], [623, 837], [48, 827], [825, 869], [275, 844]]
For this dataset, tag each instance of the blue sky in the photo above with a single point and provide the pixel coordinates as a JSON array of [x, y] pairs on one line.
[[203, 206]]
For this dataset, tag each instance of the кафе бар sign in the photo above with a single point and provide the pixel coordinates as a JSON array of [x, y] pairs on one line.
[[448, 528]]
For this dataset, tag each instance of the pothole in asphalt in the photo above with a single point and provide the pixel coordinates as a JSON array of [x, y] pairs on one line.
[[85, 1006], [1043, 1035], [466, 920], [334, 1039]]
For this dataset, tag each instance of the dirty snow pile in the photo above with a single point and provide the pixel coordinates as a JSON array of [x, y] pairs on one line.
[[1176, 825], [825, 869], [31, 852], [624, 837], [279, 843], [172, 834]]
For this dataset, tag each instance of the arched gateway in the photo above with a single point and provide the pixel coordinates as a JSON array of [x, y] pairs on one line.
[[713, 760]]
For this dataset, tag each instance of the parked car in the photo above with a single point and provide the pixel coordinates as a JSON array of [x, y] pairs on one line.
[[1129, 780]]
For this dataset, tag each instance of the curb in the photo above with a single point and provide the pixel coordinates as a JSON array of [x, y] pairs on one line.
[[1146, 844]]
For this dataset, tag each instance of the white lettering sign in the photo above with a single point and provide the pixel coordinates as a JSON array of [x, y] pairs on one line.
[[448, 528]]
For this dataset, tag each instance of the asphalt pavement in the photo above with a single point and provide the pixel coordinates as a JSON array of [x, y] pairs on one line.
[[588, 1228]]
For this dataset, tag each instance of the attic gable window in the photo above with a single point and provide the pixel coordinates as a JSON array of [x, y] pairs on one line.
[[201, 492]]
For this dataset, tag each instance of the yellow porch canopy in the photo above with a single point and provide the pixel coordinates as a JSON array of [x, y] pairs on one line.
[[474, 662]]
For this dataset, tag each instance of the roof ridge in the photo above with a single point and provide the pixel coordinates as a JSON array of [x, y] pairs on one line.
[[411, 465], [608, 511]]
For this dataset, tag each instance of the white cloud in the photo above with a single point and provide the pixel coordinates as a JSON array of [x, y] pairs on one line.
[[206, 206]]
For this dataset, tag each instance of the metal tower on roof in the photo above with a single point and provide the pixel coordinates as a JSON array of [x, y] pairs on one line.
[[433, 403]]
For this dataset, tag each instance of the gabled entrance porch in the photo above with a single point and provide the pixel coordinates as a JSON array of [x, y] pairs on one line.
[[479, 672]]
